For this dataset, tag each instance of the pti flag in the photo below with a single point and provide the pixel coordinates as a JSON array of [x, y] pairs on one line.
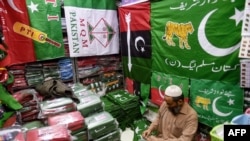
[[92, 27], [160, 81], [45, 28], [198, 38], [19, 48], [136, 41], [216, 102]]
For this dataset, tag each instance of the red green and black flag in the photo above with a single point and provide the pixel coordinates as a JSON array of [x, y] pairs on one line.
[[136, 41]]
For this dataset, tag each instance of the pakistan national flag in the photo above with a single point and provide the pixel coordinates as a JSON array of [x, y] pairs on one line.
[[216, 102], [136, 41], [45, 28], [198, 38], [92, 27]]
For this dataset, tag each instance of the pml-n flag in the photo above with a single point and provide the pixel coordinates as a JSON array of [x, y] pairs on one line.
[[136, 41], [19, 49], [45, 29], [216, 102], [92, 27], [160, 81], [200, 38]]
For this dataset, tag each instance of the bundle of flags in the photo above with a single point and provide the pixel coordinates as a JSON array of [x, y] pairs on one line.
[[29, 99], [129, 104]]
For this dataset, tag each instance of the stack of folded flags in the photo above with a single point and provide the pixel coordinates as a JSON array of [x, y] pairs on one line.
[[51, 69], [13, 133], [34, 73], [56, 106], [32, 125], [74, 121], [129, 104], [88, 70], [49, 133], [114, 109], [102, 126], [18, 72], [89, 104], [109, 63], [65, 68], [29, 99]]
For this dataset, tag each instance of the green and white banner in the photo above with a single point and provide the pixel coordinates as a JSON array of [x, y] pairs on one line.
[[92, 27], [216, 102], [198, 38]]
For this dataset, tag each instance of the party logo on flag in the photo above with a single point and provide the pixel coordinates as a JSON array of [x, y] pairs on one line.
[[216, 102], [198, 38], [92, 27], [45, 28]]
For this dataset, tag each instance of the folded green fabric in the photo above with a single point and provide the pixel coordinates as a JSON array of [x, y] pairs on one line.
[[7, 99]]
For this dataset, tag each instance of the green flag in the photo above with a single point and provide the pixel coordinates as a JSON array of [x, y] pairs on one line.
[[216, 102], [46, 29], [198, 38]]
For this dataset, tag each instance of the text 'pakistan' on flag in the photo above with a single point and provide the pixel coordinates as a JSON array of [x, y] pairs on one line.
[[92, 27]]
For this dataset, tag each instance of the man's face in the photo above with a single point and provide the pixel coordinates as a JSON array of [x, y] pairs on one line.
[[173, 106]]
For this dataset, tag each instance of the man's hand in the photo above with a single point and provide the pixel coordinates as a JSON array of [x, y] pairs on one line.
[[152, 138], [146, 133]]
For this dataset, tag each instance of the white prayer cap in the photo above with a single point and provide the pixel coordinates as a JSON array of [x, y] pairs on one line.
[[173, 91]]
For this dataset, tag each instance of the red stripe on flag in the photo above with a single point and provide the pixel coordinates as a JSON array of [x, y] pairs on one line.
[[156, 97], [140, 17]]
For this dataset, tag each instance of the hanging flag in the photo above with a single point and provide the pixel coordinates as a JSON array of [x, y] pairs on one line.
[[92, 27], [160, 81], [45, 28], [216, 102], [198, 38], [136, 41], [19, 48]]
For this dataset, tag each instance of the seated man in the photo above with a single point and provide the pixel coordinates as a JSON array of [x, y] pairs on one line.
[[176, 119]]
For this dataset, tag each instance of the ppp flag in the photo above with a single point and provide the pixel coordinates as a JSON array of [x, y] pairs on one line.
[[92, 27], [136, 48]]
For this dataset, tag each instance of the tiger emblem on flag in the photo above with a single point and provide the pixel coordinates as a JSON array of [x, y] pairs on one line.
[[180, 30]]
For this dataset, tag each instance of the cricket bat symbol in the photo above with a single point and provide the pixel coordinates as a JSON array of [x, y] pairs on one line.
[[33, 34]]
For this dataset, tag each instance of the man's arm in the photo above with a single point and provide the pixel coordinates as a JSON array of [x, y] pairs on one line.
[[187, 133]]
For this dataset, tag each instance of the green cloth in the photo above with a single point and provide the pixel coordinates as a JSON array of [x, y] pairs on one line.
[[7, 99]]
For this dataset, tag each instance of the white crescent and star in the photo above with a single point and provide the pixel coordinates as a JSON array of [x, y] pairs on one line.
[[216, 111], [136, 41], [207, 46]]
